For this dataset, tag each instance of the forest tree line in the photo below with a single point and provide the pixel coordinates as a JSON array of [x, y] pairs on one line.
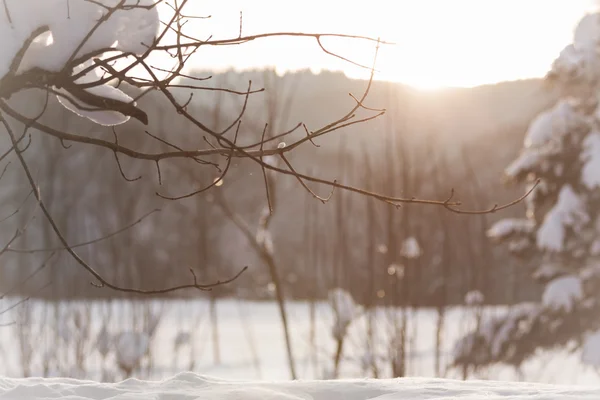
[[351, 241]]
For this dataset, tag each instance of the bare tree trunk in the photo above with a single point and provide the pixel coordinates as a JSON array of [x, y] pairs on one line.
[[370, 267], [442, 290], [340, 222], [338, 356], [282, 313], [214, 322], [311, 242]]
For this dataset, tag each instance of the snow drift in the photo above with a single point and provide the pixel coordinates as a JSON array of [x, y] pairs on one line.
[[188, 386]]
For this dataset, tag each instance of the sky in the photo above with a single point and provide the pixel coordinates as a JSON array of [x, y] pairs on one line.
[[437, 43]]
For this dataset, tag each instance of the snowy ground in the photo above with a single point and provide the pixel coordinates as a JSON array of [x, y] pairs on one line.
[[188, 386], [66, 340]]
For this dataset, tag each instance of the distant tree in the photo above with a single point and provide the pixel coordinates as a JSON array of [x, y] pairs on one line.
[[559, 237]]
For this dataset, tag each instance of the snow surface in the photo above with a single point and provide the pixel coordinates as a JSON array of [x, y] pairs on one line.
[[189, 386], [562, 293]]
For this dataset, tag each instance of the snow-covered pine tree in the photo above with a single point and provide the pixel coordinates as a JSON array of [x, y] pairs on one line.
[[559, 237]]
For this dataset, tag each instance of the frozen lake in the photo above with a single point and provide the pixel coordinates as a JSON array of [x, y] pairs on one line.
[[70, 338]]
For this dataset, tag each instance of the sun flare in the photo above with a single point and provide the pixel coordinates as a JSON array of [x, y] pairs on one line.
[[438, 43]]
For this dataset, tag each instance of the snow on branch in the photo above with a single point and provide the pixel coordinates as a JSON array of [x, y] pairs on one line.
[[510, 226], [562, 293], [579, 61], [48, 41], [569, 211], [527, 161], [590, 176], [550, 126]]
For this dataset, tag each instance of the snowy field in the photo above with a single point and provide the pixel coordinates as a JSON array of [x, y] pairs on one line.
[[188, 386], [101, 341]]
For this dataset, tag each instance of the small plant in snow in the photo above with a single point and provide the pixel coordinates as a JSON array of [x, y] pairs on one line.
[[181, 339], [130, 349], [345, 310], [151, 322], [474, 298], [103, 342]]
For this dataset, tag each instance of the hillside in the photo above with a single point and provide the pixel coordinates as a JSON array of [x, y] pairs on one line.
[[432, 133]]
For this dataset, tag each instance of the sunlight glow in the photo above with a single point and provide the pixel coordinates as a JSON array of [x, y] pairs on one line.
[[439, 43]]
